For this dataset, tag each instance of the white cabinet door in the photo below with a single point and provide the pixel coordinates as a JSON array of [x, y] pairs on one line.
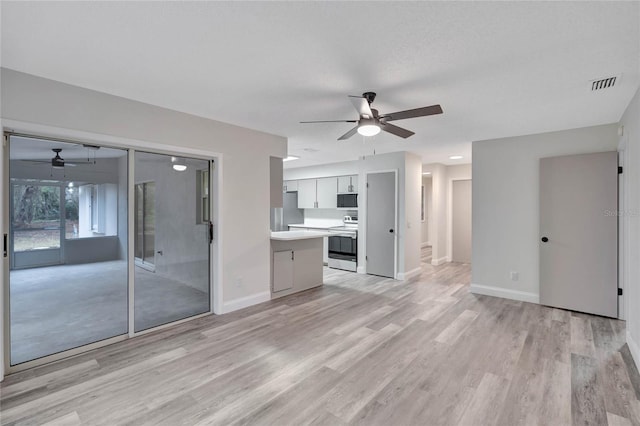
[[348, 184], [327, 191], [354, 183], [343, 183], [290, 186], [282, 270], [307, 194]]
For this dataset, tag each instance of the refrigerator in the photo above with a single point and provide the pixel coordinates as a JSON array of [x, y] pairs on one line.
[[281, 217]]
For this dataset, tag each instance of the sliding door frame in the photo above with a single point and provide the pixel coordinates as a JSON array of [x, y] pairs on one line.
[[215, 160]]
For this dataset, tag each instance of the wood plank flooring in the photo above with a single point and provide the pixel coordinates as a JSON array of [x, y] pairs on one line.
[[360, 350]]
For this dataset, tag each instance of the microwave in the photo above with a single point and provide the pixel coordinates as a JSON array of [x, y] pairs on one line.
[[348, 200]]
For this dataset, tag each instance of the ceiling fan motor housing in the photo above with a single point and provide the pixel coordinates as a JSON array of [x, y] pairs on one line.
[[369, 96]]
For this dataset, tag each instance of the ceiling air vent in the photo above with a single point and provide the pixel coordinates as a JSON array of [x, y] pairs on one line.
[[603, 83]]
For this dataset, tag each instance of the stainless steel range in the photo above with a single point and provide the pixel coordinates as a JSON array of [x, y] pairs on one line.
[[343, 246]]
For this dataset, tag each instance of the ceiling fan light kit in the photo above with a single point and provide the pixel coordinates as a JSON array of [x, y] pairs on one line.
[[370, 123]]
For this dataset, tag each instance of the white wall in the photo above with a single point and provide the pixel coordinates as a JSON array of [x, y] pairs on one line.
[[412, 209], [438, 225], [506, 205], [31, 102], [426, 225], [631, 222]]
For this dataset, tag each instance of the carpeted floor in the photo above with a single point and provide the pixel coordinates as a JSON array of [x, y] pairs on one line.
[[57, 308]]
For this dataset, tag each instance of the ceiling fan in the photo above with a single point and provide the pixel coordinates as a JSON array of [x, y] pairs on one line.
[[57, 162], [370, 122]]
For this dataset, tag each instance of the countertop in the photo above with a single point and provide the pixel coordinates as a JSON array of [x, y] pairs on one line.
[[302, 225], [298, 235]]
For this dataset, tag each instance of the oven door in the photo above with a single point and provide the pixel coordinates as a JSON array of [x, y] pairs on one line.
[[343, 252]]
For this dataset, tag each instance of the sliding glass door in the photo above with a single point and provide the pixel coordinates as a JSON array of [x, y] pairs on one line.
[[69, 285], [172, 239], [68, 281]]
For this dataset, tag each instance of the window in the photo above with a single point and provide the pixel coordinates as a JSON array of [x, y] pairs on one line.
[[91, 210]]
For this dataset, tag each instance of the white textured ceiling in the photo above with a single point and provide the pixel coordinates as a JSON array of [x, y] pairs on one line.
[[497, 68]]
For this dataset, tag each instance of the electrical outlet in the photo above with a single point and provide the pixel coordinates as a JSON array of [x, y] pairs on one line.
[[514, 276]]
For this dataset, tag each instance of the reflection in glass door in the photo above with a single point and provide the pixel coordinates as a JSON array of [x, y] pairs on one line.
[[145, 225], [35, 223], [68, 284], [172, 233]]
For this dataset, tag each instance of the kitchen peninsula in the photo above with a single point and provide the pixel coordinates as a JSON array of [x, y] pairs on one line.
[[296, 261]]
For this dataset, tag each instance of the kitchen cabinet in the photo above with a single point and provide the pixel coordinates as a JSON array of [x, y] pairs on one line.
[[317, 193], [347, 184], [307, 194], [282, 270], [290, 186], [297, 261], [326, 193]]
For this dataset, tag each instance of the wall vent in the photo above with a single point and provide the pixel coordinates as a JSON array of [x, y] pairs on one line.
[[603, 83]]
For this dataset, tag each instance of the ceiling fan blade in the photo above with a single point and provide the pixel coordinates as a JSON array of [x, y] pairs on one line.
[[330, 121], [412, 113], [348, 134], [362, 106], [395, 130]]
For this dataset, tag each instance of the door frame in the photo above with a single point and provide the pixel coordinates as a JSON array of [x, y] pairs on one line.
[[396, 237], [215, 159]]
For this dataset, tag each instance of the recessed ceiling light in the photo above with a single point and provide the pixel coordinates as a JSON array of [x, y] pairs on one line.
[[456, 157], [290, 158], [426, 173]]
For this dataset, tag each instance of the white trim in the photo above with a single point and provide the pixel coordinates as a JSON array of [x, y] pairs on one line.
[[361, 270], [440, 261], [245, 302], [65, 354], [505, 293], [633, 348], [131, 267], [170, 324], [404, 276], [425, 244]]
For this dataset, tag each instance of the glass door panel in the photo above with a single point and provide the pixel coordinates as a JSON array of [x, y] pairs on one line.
[[172, 235], [68, 284], [35, 223]]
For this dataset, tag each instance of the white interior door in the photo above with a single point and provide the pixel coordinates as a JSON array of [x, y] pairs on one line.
[[578, 233], [461, 221], [381, 224]]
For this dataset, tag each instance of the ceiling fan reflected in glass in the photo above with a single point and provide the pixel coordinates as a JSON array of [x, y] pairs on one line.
[[370, 122]]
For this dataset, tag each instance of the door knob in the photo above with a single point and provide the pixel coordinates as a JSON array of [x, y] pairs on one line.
[[544, 239], [391, 230]]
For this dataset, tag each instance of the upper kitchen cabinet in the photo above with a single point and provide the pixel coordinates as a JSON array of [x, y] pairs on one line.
[[317, 193], [326, 193], [307, 194], [290, 186], [348, 184]]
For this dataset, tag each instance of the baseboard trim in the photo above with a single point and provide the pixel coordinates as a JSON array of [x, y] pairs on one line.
[[505, 293], [361, 270], [404, 276], [436, 262], [245, 302], [633, 348]]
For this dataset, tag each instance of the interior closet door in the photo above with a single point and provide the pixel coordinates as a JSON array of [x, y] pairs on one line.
[[172, 239], [579, 233]]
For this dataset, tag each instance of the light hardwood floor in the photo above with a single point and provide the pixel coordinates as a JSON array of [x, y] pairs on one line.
[[360, 350]]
